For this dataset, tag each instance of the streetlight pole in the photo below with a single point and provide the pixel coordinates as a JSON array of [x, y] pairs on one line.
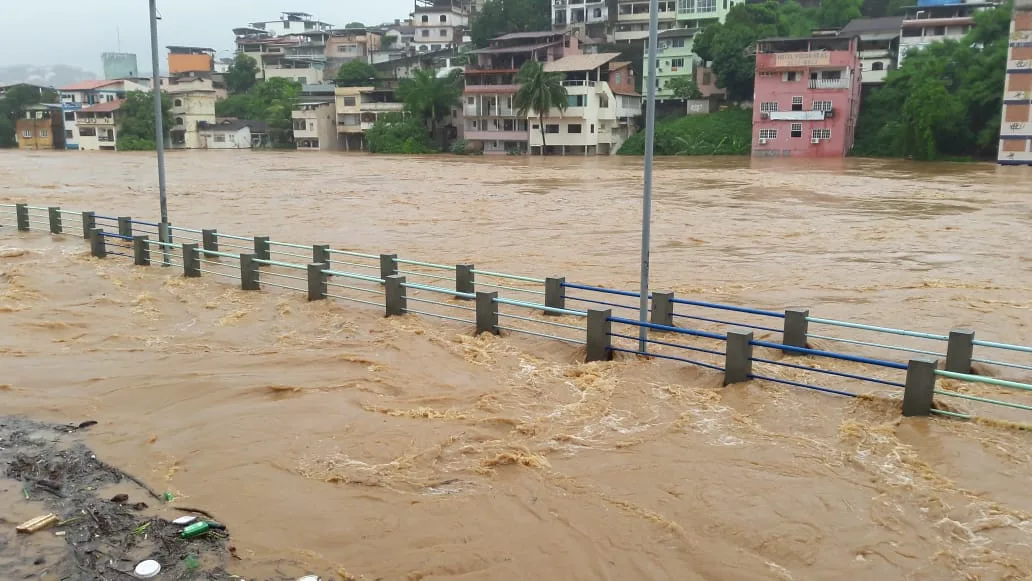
[[646, 210], [159, 134]]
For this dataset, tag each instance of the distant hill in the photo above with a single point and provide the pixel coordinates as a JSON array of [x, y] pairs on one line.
[[48, 76]]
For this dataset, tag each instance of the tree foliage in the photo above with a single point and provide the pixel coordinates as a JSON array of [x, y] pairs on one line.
[[540, 92], [11, 104], [354, 25], [242, 74], [723, 133], [397, 134], [430, 99], [684, 88], [271, 101], [500, 17], [837, 13], [136, 121], [945, 101], [356, 73]]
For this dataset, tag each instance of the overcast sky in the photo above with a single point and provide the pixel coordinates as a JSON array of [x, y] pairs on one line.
[[74, 32]]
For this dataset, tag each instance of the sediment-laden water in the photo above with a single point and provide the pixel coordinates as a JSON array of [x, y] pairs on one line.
[[404, 448]]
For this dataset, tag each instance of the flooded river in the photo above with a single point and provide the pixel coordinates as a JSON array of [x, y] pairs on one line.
[[334, 441]]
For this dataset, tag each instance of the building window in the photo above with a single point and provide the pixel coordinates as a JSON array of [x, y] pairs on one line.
[[791, 77], [27, 134], [535, 126], [831, 75], [767, 74], [426, 33], [768, 106], [299, 124], [768, 134], [797, 130], [677, 63], [877, 66], [220, 138], [551, 128], [707, 78], [597, 13], [444, 18], [618, 79], [444, 32], [821, 106], [797, 103], [592, 128], [575, 100], [821, 134], [426, 18], [179, 121], [87, 132], [69, 116], [177, 103], [940, 31], [678, 42], [471, 100], [69, 134], [573, 128], [348, 102]]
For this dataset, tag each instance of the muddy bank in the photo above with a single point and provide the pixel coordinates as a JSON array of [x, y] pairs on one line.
[[108, 523]]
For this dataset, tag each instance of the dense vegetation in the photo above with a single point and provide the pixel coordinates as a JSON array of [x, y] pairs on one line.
[[726, 132], [946, 100], [356, 73], [539, 92], [429, 100], [11, 105], [242, 74], [270, 101], [398, 134], [136, 121], [500, 17]]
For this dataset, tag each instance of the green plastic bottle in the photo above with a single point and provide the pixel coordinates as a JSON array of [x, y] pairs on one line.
[[195, 530]]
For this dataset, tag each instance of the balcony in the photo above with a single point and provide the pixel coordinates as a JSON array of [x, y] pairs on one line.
[[1019, 65], [383, 107], [794, 115], [86, 121], [829, 83], [478, 135], [1016, 128]]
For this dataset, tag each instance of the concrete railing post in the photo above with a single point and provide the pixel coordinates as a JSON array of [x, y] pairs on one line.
[[555, 294], [321, 254], [97, 246], [487, 312], [55, 220], [388, 265], [249, 277], [191, 260], [89, 222], [662, 309], [210, 240], [920, 387], [21, 212], [738, 357], [125, 226], [141, 250], [316, 281], [261, 247], [796, 328], [599, 341], [464, 279], [959, 350], [396, 300]]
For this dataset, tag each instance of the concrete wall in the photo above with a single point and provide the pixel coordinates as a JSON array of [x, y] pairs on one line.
[[1016, 129], [214, 139], [191, 107], [187, 63]]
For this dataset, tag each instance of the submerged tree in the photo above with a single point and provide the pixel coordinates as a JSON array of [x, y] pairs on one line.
[[539, 91], [431, 98]]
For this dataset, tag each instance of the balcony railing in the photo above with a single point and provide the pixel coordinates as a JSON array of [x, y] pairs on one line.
[[829, 83], [579, 83]]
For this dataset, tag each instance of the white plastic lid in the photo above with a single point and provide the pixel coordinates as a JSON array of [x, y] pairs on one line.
[[309, 578], [184, 520], [147, 569]]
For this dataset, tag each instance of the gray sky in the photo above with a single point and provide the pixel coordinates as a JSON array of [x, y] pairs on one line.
[[77, 31]]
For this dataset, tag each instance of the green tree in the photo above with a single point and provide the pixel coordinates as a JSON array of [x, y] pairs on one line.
[[837, 13], [354, 25], [539, 91], [684, 88], [397, 134], [11, 105], [430, 98], [242, 74], [271, 101], [356, 73], [136, 121], [387, 42], [500, 17], [727, 44]]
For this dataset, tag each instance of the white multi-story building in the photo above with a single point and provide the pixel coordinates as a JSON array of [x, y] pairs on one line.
[[601, 106], [291, 23], [439, 24], [79, 96], [928, 23], [193, 103], [315, 126], [590, 17]]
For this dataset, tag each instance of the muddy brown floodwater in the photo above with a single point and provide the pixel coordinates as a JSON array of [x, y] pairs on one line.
[[404, 448]]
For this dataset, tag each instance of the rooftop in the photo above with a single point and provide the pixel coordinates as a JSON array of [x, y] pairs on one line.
[[177, 49], [88, 85], [869, 25], [524, 35], [580, 62], [234, 125], [513, 49], [678, 33], [108, 107]]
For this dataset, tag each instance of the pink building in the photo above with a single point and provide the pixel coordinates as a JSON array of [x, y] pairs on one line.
[[807, 96]]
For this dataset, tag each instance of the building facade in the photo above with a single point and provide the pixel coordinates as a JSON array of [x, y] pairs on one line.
[[491, 122], [597, 120], [193, 103], [119, 65], [98, 126], [675, 58], [233, 134], [1016, 129], [357, 108], [878, 46], [932, 21], [807, 96], [41, 127], [315, 126], [439, 24], [190, 59], [632, 17], [75, 98], [588, 17]]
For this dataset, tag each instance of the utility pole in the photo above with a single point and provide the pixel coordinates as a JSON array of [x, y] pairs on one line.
[[159, 134], [646, 210]]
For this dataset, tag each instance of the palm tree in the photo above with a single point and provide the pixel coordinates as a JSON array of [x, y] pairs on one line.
[[539, 91], [431, 98]]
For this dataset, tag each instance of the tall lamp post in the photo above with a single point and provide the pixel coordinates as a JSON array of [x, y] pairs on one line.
[[159, 134], [646, 211]]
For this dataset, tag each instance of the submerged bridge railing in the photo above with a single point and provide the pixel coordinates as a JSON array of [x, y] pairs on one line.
[[743, 343]]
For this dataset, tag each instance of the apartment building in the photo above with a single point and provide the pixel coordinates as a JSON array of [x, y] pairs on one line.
[[601, 105], [439, 24], [193, 103], [315, 126], [936, 20], [588, 17], [41, 127], [675, 58], [491, 123], [233, 134], [632, 17], [357, 108], [190, 59], [1016, 129], [807, 96], [290, 23], [98, 126], [76, 97], [878, 45]]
